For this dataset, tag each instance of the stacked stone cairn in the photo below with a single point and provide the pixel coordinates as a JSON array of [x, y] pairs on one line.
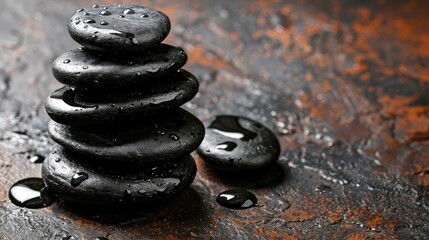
[[123, 137]]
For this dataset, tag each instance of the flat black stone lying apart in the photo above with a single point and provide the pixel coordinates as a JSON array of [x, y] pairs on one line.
[[124, 138]]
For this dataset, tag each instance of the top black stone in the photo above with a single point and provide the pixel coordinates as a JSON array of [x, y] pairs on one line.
[[118, 28]]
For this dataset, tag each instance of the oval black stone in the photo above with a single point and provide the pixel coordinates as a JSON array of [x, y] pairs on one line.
[[238, 143], [129, 33], [83, 68], [237, 199], [115, 185], [82, 107], [30, 193], [145, 142]]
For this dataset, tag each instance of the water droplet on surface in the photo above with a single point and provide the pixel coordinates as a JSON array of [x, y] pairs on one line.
[[101, 238], [323, 188], [174, 137], [144, 16], [30, 193], [230, 126], [103, 23], [85, 67], [77, 22], [78, 178], [89, 21], [37, 159], [121, 16], [105, 13], [227, 146], [95, 6], [86, 14], [57, 159], [237, 199], [80, 10], [66, 61], [129, 11]]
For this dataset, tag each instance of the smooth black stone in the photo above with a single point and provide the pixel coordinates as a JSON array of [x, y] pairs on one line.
[[236, 199], [115, 185], [84, 68], [30, 193], [119, 28], [80, 107], [149, 141], [238, 143]]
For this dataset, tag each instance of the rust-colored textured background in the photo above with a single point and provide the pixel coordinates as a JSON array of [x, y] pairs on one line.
[[344, 84]]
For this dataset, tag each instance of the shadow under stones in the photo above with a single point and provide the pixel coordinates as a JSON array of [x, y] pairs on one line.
[[187, 206], [269, 176]]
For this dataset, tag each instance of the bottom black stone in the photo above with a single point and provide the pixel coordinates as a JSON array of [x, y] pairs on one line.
[[71, 178]]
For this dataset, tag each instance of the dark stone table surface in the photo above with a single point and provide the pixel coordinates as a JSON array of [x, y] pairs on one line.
[[343, 84]]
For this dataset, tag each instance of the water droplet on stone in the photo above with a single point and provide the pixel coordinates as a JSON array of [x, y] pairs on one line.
[[121, 16], [103, 23], [174, 137], [101, 238], [105, 13], [77, 22], [129, 11], [144, 16], [106, 7], [95, 6], [78, 178], [89, 21], [85, 67], [227, 146], [57, 159], [230, 126], [80, 10], [30, 193], [86, 14], [237, 199]]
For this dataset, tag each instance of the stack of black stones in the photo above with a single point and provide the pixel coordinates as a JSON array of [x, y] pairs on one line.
[[124, 138]]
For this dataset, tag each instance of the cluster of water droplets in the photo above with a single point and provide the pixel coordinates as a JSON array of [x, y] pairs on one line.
[[105, 12]]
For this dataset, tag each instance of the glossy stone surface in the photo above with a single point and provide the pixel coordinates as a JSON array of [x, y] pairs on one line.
[[237, 199], [81, 107], [117, 185], [84, 68], [238, 143], [119, 28], [148, 141], [30, 193]]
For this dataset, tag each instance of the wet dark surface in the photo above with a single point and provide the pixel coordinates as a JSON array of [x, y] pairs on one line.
[[343, 84]]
